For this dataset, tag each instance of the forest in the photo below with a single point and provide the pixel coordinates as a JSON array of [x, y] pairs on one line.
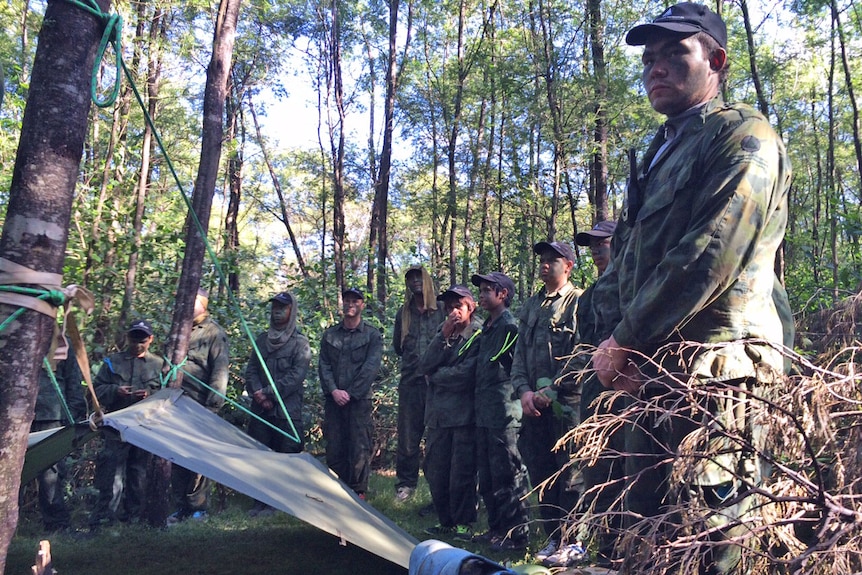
[[453, 134]]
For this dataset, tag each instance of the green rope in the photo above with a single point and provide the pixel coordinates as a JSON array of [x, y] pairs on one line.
[[469, 342], [113, 35], [294, 437], [54, 297], [506, 345], [47, 365]]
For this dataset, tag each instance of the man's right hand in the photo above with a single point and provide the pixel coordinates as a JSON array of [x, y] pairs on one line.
[[614, 367], [528, 404], [341, 397]]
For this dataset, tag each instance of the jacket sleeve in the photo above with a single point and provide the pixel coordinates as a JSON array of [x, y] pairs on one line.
[[219, 361], [360, 387], [396, 333], [291, 381], [104, 384], [435, 355], [520, 379], [253, 380], [324, 366], [461, 374]]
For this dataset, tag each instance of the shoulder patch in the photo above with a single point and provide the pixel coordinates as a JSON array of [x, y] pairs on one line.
[[750, 144]]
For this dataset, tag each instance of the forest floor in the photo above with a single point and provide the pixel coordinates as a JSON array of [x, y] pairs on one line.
[[230, 542]]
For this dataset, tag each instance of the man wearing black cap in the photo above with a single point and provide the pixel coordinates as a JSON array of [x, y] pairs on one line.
[[546, 341], [415, 325], [125, 378], [502, 481], [276, 391], [449, 365], [705, 216], [350, 355], [602, 478]]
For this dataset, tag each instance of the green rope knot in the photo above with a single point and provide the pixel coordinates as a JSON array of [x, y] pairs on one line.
[[113, 34]]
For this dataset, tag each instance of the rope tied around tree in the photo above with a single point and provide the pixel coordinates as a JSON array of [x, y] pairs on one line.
[[16, 290], [113, 35]]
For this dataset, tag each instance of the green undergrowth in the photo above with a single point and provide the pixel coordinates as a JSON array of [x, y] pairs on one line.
[[229, 542]]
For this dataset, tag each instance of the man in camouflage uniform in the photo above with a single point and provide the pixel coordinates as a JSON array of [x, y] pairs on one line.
[[50, 413], [286, 354], [350, 355], [705, 217], [415, 325], [450, 447], [124, 379], [603, 477], [205, 377], [502, 480], [546, 341]]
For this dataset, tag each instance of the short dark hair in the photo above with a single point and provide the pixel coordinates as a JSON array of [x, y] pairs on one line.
[[498, 288], [710, 45]]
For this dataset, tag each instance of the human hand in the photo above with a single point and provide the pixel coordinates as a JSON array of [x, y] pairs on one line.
[[528, 404], [124, 390], [341, 397], [615, 368]]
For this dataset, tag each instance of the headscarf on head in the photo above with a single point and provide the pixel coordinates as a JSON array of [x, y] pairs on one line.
[[276, 338], [429, 295]]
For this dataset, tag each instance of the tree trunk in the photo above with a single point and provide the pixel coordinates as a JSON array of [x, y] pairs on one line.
[[337, 143], [599, 163], [851, 95], [381, 183], [190, 276], [154, 68], [277, 185], [235, 163], [36, 227], [452, 197]]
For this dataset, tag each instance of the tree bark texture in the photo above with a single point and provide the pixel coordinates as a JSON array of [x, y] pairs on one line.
[[37, 222]]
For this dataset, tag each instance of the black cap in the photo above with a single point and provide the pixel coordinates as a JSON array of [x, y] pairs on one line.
[[457, 290], [563, 249], [603, 229], [283, 297], [353, 291], [498, 278], [141, 325], [685, 19]]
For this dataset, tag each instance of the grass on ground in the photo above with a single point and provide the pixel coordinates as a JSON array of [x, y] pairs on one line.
[[230, 542]]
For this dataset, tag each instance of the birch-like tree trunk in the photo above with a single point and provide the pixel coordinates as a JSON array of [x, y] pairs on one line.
[[36, 227]]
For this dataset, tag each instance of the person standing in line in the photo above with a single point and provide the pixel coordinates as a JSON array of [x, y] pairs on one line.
[[603, 479], [205, 378], [547, 338], [286, 355], [49, 413], [705, 217], [449, 363], [416, 322], [502, 477], [350, 356], [124, 379]]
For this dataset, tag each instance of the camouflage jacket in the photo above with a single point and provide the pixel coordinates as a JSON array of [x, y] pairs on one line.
[[207, 360], [287, 365], [121, 369], [423, 326], [696, 263], [350, 359], [547, 337], [496, 404], [451, 367]]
